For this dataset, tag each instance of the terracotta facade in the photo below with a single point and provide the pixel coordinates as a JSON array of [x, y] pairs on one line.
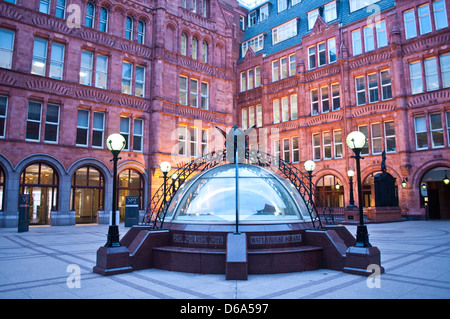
[[188, 65]]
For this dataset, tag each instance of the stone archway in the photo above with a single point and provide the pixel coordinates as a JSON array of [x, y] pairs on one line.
[[434, 193]]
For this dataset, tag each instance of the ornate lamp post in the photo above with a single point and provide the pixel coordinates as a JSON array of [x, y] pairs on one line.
[[310, 166], [356, 141], [165, 168], [350, 175], [115, 143]]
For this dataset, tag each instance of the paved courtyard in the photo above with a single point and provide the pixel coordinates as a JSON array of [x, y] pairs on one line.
[[44, 263]]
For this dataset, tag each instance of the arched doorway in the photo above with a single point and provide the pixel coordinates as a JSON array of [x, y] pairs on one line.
[[332, 191], [87, 194], [131, 183], [40, 181], [368, 190], [435, 193]]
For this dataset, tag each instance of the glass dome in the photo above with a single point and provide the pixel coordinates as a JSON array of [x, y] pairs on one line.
[[210, 197]]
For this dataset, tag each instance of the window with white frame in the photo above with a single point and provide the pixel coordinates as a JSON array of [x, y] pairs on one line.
[[356, 42], [325, 99], [431, 74], [330, 12], [205, 52], [39, 62], [182, 140], [283, 68], [252, 18], [282, 5], [386, 90], [204, 91], [90, 15], [420, 128], [57, 61], [60, 9], [447, 115], [101, 72], [98, 129], [409, 21], [193, 93], [332, 55], [321, 54], [286, 150], [276, 111], [311, 57], [292, 65], [33, 131], [316, 146], [204, 142], [284, 31], [141, 32], [251, 116], [104, 16], [445, 69], [284, 109], [264, 12], [363, 129], [295, 150], [380, 28], [250, 79], [194, 48], [423, 13], [369, 43], [82, 128], [243, 81], [312, 17], [44, 6], [259, 118], [183, 46], [129, 28], [125, 131], [276, 148], [294, 2], [335, 95], [86, 68], [138, 134], [437, 132], [326, 144], [6, 48], [139, 89], [337, 138], [314, 101], [389, 137], [183, 90], [372, 83], [359, 4], [257, 76], [51, 130], [193, 138], [360, 90], [376, 142], [440, 14], [244, 118], [275, 74], [415, 75], [294, 107], [127, 77], [3, 114], [256, 43]]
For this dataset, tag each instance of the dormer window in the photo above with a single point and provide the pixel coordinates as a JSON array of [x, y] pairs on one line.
[[264, 12], [252, 18], [282, 5], [312, 17], [330, 12]]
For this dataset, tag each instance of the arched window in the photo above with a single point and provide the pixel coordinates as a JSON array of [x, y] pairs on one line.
[[332, 191], [368, 189], [131, 183], [2, 188], [87, 194], [205, 52], [183, 49], [129, 28], [141, 32], [104, 19], [90, 14], [194, 48], [40, 181]]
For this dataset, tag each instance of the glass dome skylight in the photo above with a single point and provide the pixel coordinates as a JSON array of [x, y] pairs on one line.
[[210, 197]]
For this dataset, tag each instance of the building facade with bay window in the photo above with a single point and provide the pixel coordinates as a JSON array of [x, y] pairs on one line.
[[166, 73]]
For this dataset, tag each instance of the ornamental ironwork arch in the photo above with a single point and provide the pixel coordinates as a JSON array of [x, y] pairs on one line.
[[157, 208]]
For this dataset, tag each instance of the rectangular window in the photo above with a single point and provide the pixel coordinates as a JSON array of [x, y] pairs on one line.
[[332, 55], [377, 147], [204, 142], [286, 150], [264, 12], [60, 9], [204, 96], [277, 148], [251, 116], [104, 19], [193, 141], [57, 61], [409, 19], [141, 32], [44, 6], [34, 121], [101, 72], [98, 129], [360, 91], [6, 48], [369, 44], [420, 127], [326, 145], [389, 136], [330, 13], [244, 119], [284, 109], [337, 143], [311, 57], [283, 66], [138, 134], [182, 140], [386, 90], [322, 54], [325, 99], [431, 74], [284, 31], [295, 150], [415, 74], [423, 13], [183, 90], [365, 149], [256, 43], [336, 96], [276, 111], [447, 115], [282, 5], [125, 131], [437, 133], [250, 79], [52, 123], [312, 17], [193, 93], [39, 57], [356, 42], [86, 68], [316, 146], [252, 18], [129, 28], [440, 14], [314, 102], [274, 70], [259, 115], [294, 108], [194, 47], [292, 65], [183, 44], [3, 113], [139, 89], [127, 77], [380, 28], [257, 76], [373, 87], [243, 81], [445, 69], [82, 128]]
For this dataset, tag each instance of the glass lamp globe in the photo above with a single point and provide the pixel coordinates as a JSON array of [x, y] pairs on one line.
[[350, 173], [356, 140], [309, 166], [116, 142], [165, 167]]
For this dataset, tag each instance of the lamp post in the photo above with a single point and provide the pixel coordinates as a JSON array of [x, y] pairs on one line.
[[350, 175], [310, 166], [165, 168], [356, 141], [446, 180], [115, 143]]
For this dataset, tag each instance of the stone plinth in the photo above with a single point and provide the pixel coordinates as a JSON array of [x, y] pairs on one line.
[[362, 260], [112, 261]]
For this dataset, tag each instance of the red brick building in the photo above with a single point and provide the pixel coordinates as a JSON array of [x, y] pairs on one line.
[[166, 73]]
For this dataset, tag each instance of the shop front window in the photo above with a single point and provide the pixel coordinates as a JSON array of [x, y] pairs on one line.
[[332, 191], [131, 183]]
